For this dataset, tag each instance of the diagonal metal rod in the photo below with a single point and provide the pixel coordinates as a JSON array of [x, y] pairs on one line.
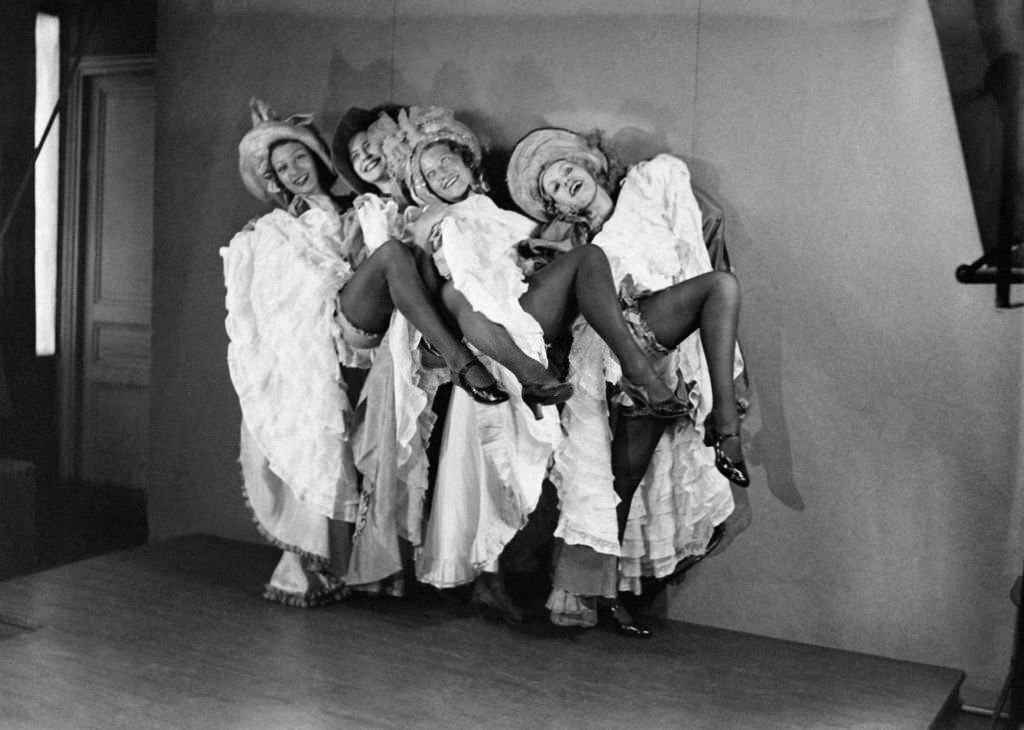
[[76, 59], [25, 180]]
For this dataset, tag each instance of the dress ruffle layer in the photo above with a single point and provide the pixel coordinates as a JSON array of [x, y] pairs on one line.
[[581, 471], [394, 422], [653, 240], [282, 275], [493, 457], [571, 609], [675, 510]]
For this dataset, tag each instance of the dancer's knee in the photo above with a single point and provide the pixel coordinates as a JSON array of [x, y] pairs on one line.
[[392, 252], [592, 253], [726, 287]]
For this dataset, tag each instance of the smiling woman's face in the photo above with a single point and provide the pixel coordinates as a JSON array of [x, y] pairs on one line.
[[367, 160], [294, 167], [446, 172], [569, 186]]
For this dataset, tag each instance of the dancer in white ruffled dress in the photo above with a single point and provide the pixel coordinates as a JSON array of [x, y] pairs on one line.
[[306, 295], [391, 458], [494, 461], [651, 231]]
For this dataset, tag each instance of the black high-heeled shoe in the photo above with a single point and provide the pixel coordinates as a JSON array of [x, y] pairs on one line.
[[668, 410], [734, 471], [536, 395], [615, 616], [487, 394]]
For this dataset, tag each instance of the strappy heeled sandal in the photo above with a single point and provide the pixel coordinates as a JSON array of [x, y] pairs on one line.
[[734, 471], [492, 394]]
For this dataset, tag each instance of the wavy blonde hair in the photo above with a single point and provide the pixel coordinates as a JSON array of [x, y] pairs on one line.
[[609, 179]]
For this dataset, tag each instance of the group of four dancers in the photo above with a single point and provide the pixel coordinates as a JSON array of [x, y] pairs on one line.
[[591, 341]]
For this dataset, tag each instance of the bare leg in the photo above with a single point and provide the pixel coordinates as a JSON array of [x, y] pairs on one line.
[[390, 278], [580, 282]]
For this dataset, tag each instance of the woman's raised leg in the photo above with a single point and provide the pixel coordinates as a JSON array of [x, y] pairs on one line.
[[494, 340], [389, 279], [711, 303], [580, 282]]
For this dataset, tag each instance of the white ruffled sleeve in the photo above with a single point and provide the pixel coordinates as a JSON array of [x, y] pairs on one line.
[[654, 234]]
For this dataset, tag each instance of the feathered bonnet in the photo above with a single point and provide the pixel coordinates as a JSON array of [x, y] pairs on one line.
[[403, 140]]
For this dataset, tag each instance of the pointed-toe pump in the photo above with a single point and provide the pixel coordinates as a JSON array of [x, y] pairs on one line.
[[487, 394], [615, 616], [536, 395], [733, 470]]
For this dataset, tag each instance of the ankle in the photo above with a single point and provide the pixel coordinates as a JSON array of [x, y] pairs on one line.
[[726, 421], [638, 370]]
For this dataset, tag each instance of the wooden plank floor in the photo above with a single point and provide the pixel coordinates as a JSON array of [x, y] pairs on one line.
[[174, 635]]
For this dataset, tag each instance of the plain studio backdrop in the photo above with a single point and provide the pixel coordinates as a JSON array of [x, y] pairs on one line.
[[885, 438]]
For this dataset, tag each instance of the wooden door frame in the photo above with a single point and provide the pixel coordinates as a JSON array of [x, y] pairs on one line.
[[69, 307]]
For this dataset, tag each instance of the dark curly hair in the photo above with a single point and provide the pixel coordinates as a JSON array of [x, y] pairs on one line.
[[324, 176]]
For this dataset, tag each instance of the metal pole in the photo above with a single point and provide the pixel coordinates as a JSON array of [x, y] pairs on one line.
[[68, 80], [1010, 113]]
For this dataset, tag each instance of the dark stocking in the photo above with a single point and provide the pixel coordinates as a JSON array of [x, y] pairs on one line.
[[710, 302], [391, 278], [580, 282]]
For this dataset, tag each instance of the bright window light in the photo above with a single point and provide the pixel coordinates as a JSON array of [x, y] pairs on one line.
[[47, 181]]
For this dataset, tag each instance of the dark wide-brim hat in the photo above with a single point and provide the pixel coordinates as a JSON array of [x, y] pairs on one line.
[[354, 121], [534, 153], [267, 130]]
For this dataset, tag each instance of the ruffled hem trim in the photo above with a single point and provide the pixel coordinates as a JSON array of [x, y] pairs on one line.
[[449, 574], [573, 536], [305, 600], [318, 562], [393, 585], [500, 443], [572, 609], [401, 440], [582, 462]]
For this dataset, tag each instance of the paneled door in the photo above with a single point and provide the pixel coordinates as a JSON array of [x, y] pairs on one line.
[[106, 408]]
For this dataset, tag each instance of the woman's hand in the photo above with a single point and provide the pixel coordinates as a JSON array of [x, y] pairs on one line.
[[375, 219], [423, 226]]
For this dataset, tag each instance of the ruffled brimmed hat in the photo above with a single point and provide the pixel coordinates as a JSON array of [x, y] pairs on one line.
[[254, 150], [534, 153], [414, 131]]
